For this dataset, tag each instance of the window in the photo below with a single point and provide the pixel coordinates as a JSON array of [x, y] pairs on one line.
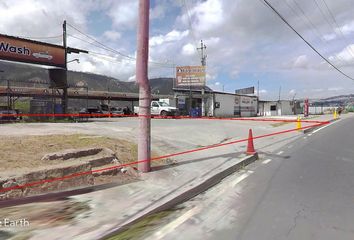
[[273, 107]]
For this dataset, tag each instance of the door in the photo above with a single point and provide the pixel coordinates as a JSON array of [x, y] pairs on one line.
[[155, 108]]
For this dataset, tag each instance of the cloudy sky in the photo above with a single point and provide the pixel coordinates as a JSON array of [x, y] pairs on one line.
[[246, 42]]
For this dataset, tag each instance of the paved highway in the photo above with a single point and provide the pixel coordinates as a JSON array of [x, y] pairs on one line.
[[303, 191]]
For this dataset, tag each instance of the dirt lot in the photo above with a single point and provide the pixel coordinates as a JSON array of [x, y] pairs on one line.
[[27, 151]]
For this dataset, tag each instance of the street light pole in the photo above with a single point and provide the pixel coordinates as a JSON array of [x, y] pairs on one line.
[[144, 139]]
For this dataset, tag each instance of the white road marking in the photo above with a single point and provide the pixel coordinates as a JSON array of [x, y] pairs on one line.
[[266, 161], [280, 153], [174, 224], [290, 146], [241, 178], [319, 129]]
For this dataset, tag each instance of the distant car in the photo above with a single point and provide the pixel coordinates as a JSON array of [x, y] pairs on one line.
[[42, 55], [8, 115], [94, 112], [117, 111]]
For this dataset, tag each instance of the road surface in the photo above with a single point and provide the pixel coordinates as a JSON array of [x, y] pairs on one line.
[[304, 191]]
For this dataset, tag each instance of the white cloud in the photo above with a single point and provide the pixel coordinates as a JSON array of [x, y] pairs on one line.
[[292, 92], [329, 37], [335, 89], [112, 35], [172, 36], [132, 78], [42, 18], [124, 14], [188, 49], [205, 15], [217, 83], [348, 28], [344, 57], [301, 62]]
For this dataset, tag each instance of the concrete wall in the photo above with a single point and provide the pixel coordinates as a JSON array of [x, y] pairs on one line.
[[265, 109], [235, 105], [281, 108], [286, 108], [227, 105], [248, 106]]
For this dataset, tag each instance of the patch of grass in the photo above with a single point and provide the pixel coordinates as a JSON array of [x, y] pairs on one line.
[[139, 229]]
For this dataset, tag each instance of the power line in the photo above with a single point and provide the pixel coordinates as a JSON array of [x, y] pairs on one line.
[[311, 24], [99, 43], [338, 27], [105, 47], [331, 26], [309, 44], [189, 20]]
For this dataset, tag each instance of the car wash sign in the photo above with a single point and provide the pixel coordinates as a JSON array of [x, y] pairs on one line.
[[190, 76], [28, 51]]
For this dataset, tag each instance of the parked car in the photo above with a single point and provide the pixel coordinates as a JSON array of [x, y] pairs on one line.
[[94, 112], [117, 111], [160, 108], [9, 115]]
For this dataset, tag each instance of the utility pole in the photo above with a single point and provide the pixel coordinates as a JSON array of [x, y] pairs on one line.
[[279, 93], [144, 139], [65, 87], [203, 61], [203, 57], [8, 95]]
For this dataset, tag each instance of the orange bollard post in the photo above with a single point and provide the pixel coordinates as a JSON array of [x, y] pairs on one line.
[[250, 146]]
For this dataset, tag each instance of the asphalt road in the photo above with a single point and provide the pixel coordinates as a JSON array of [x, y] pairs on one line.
[[304, 191]]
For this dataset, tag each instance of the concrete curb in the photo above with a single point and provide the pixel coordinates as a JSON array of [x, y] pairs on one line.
[[308, 130], [198, 186]]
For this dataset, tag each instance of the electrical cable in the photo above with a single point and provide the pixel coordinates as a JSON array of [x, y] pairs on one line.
[[309, 44]]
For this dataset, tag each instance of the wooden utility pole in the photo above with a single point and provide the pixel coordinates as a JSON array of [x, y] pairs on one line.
[[144, 141], [65, 87]]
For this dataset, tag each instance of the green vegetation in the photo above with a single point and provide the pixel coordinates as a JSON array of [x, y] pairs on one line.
[[143, 227], [23, 106]]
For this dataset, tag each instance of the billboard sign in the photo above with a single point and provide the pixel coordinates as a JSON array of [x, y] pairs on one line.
[[28, 51], [190, 76], [249, 90]]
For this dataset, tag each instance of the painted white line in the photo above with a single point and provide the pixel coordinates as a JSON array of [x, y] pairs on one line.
[[266, 161], [290, 146], [319, 129], [241, 178], [174, 224], [280, 153]]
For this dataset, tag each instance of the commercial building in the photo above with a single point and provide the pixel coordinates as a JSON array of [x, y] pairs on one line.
[[203, 101], [279, 108]]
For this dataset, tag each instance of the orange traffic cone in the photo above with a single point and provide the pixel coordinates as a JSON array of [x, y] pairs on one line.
[[250, 146]]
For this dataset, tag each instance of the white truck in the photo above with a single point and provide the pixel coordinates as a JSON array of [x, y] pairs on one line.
[[160, 108]]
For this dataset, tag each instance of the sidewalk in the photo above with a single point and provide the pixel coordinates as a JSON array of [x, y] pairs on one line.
[[113, 208]]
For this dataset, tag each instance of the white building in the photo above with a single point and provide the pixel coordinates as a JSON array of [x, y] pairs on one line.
[[217, 104], [279, 108]]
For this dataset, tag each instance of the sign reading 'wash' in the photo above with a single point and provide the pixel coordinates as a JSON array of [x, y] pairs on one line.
[[28, 51]]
